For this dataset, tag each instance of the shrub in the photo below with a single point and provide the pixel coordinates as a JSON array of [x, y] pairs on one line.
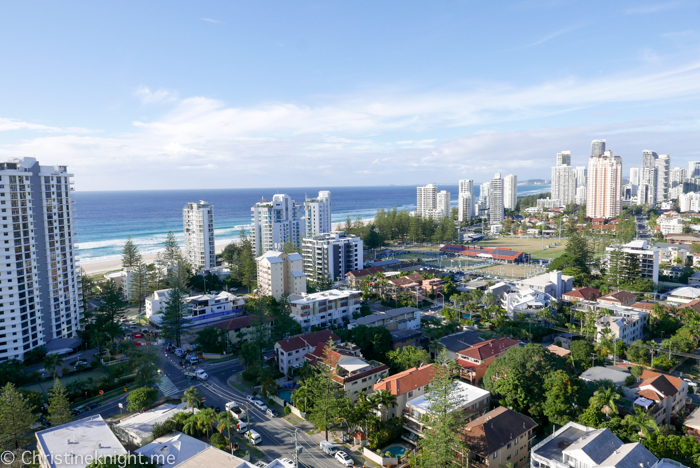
[[218, 440], [164, 428], [287, 410], [630, 380]]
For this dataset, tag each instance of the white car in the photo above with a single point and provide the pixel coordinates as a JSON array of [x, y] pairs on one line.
[[343, 458], [249, 397], [691, 383], [262, 406]]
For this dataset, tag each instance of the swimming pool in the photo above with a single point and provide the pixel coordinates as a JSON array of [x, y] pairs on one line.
[[396, 450], [286, 395]]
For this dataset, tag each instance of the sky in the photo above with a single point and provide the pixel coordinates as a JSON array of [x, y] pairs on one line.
[[227, 94]]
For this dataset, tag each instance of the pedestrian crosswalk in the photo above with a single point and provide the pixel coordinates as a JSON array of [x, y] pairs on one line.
[[167, 386]]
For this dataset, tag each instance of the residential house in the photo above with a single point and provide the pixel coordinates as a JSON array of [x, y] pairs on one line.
[[323, 309], [578, 446], [475, 402], [403, 318], [581, 294], [412, 283], [401, 338], [692, 422], [433, 285], [83, 439], [618, 298], [501, 437], [682, 295], [564, 339], [197, 310], [137, 429], [475, 360], [599, 374], [661, 395], [241, 329], [355, 277], [352, 371], [457, 342], [177, 450], [291, 351], [406, 386], [559, 351], [526, 301], [553, 283]]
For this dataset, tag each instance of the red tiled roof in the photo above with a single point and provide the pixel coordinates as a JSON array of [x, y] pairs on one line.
[[588, 294], [694, 304], [366, 272], [239, 322], [467, 364], [675, 381], [619, 296], [489, 348], [649, 394], [407, 380], [310, 340]]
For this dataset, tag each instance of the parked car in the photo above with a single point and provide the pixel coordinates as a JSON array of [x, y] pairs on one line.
[[93, 405], [343, 458], [260, 464], [261, 406], [249, 397], [271, 413], [691, 383], [81, 362], [76, 411]]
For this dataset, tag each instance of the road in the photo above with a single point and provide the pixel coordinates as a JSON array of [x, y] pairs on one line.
[[277, 434]]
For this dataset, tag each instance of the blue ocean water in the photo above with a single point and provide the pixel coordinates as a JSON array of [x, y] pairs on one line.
[[104, 219]]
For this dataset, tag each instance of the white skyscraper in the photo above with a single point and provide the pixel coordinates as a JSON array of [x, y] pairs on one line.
[[580, 173], [40, 299], [426, 201], [693, 169], [646, 192], [663, 181], [603, 195], [318, 214], [275, 223], [484, 193], [580, 198], [465, 207], [496, 208], [443, 203], [634, 180], [678, 176], [198, 224], [563, 179], [466, 186], [564, 158], [510, 191]]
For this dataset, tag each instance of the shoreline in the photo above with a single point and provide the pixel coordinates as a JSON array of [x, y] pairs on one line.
[[104, 266]]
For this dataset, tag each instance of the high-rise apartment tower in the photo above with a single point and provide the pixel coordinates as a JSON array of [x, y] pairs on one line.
[[198, 224], [603, 196], [510, 191], [275, 223], [318, 214]]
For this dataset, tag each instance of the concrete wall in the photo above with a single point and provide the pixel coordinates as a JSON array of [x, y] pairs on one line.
[[378, 459]]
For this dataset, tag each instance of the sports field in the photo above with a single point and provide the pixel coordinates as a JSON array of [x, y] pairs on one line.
[[531, 246]]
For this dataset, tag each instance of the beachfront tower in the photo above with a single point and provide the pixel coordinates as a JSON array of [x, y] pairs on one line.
[[496, 208], [426, 201], [318, 214], [275, 223], [40, 298], [510, 191], [198, 224]]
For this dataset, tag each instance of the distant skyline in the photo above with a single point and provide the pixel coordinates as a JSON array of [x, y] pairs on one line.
[[222, 94]]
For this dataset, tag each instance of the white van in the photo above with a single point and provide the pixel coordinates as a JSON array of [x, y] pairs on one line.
[[241, 427], [328, 448], [193, 360], [253, 437]]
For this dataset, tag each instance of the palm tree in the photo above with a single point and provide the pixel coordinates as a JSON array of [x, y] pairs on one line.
[[206, 419], [226, 420], [51, 362], [180, 418], [643, 424], [383, 400], [606, 399], [190, 425], [192, 397]]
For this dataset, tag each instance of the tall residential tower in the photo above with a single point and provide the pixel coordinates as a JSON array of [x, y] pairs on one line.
[[563, 179], [39, 282], [275, 223], [510, 191], [426, 201], [318, 214], [603, 196], [496, 208], [198, 224]]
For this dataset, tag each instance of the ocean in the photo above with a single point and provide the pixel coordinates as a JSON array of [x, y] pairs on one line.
[[103, 220]]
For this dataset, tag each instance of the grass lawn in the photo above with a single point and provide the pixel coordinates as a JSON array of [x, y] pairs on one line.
[[46, 384], [531, 246]]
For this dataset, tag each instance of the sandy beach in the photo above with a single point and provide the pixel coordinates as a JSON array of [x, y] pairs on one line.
[[96, 268]]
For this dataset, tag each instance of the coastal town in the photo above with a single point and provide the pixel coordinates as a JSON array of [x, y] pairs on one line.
[[552, 330]]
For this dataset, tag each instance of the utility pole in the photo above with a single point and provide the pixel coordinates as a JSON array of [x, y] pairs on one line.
[[297, 448]]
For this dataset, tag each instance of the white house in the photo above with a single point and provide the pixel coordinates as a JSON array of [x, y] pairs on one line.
[[205, 308], [553, 283], [625, 324], [290, 352], [137, 429], [525, 301]]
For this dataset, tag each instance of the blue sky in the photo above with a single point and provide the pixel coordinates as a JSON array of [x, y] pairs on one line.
[[160, 95]]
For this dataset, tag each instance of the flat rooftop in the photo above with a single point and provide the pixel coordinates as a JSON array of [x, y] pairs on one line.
[[467, 394], [554, 449]]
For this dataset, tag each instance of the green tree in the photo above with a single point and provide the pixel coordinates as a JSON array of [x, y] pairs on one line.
[[206, 419], [517, 377], [212, 340], [226, 421], [130, 254], [375, 342], [443, 425], [16, 419], [114, 303], [141, 398], [59, 406], [606, 399], [581, 353], [192, 397], [565, 397], [144, 362], [641, 423], [173, 315], [683, 449], [406, 358], [172, 250], [637, 371], [139, 285], [636, 352]]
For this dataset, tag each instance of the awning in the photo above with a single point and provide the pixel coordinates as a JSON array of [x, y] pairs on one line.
[[644, 402]]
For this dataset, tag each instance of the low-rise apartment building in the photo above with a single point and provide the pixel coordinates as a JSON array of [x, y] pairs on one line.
[[660, 395], [501, 437], [333, 307], [403, 318], [412, 283], [198, 310], [137, 429], [618, 298], [575, 445], [406, 386], [648, 257], [474, 361], [331, 255], [474, 402], [553, 283], [280, 273], [241, 329], [625, 324], [581, 294], [291, 351], [352, 371]]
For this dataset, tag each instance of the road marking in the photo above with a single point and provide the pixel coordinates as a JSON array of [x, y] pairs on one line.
[[167, 386]]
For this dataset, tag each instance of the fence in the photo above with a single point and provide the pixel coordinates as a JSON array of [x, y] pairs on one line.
[[378, 459]]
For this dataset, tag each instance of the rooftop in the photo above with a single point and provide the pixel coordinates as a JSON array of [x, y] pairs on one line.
[[596, 374], [237, 323], [407, 380], [310, 340], [141, 424], [331, 294], [177, 446], [466, 393], [490, 432], [490, 348], [459, 341], [87, 437]]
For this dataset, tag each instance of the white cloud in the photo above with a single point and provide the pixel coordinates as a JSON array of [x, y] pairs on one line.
[[209, 20], [7, 125], [151, 97], [549, 37]]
